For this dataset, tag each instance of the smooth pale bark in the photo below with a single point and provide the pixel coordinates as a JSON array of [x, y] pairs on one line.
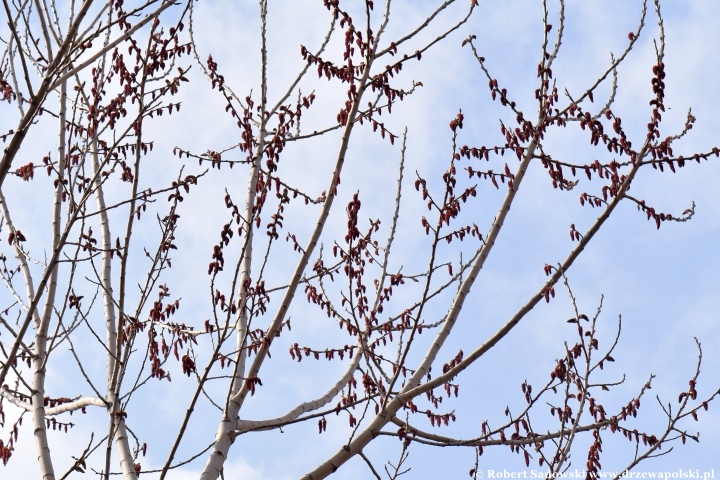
[[57, 410], [413, 388], [226, 430], [219, 453], [114, 43], [53, 79], [41, 322], [121, 439], [39, 359], [106, 269], [46, 86], [305, 407], [390, 409], [48, 284]]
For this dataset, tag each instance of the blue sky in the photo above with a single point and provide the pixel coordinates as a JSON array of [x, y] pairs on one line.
[[663, 282]]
